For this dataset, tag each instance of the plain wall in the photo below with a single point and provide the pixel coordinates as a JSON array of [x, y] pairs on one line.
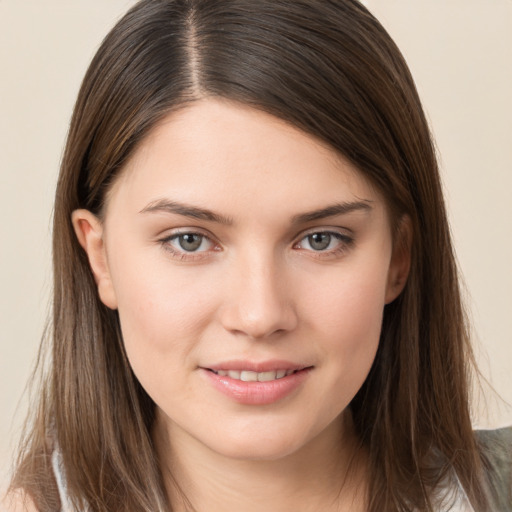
[[460, 52]]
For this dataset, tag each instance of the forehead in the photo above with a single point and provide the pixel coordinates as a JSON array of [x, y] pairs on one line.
[[233, 158]]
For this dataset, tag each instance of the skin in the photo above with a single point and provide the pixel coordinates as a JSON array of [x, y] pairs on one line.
[[256, 289], [16, 501]]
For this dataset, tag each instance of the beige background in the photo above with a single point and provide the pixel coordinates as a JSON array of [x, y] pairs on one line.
[[460, 52]]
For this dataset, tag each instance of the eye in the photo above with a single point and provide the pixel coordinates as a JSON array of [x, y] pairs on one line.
[[189, 245], [319, 241], [325, 242], [190, 242]]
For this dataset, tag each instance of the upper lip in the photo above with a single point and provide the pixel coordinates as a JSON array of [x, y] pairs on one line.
[[257, 366]]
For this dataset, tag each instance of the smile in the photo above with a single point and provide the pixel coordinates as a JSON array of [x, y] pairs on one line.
[[250, 376], [262, 384]]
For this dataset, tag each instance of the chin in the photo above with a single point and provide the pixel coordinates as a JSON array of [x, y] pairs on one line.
[[259, 450], [264, 443]]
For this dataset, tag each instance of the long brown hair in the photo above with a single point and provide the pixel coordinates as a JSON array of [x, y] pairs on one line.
[[329, 68]]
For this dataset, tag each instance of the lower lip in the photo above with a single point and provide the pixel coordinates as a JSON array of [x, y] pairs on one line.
[[257, 393]]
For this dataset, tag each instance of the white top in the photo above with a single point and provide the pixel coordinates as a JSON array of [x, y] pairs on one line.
[[60, 478]]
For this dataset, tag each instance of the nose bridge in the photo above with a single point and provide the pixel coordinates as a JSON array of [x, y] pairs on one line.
[[259, 304]]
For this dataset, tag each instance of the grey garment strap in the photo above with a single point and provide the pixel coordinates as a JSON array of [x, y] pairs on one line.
[[496, 447], [60, 478]]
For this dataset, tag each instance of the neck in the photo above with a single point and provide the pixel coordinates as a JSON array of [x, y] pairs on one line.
[[326, 474]]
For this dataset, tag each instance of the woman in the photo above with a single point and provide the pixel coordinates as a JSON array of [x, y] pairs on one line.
[[255, 301]]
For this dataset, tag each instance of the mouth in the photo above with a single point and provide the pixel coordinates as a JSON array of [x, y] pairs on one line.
[[252, 376], [252, 383]]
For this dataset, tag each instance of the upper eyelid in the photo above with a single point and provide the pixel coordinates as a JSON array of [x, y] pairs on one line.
[[340, 231], [168, 234], [344, 232]]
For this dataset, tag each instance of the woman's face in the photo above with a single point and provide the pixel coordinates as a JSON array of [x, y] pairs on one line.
[[250, 266]]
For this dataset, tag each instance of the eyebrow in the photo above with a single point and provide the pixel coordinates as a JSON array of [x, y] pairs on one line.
[[167, 206], [332, 210], [173, 207]]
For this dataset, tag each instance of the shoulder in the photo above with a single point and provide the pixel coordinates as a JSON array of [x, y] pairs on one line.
[[496, 447], [16, 501], [500, 436]]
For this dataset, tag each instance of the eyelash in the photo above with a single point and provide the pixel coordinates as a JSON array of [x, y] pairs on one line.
[[182, 254], [344, 244]]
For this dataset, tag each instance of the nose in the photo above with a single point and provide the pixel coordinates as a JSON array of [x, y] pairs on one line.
[[259, 302]]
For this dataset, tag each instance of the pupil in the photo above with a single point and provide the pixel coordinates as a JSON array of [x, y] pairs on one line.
[[320, 241], [190, 242]]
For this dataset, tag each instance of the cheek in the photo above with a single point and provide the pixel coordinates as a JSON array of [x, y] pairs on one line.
[[352, 300], [162, 314], [348, 316]]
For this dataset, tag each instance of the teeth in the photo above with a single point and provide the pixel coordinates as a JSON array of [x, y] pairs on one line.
[[266, 376], [248, 376]]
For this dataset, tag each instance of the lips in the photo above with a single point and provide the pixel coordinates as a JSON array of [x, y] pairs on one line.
[[253, 383], [254, 366], [249, 376]]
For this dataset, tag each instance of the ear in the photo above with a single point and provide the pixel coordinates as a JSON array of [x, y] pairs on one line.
[[89, 231], [400, 259]]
